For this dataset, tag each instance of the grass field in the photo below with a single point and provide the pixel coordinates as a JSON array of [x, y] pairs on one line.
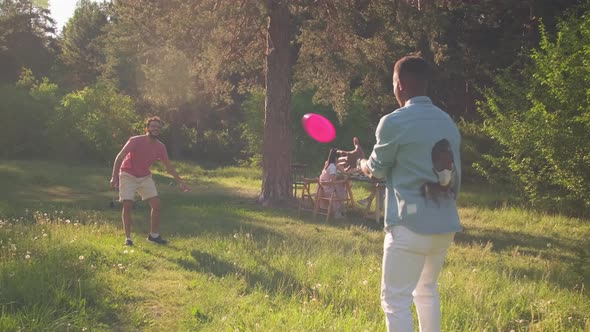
[[232, 265]]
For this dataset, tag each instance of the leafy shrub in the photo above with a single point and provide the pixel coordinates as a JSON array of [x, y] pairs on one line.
[[24, 123], [540, 116], [94, 123], [475, 144]]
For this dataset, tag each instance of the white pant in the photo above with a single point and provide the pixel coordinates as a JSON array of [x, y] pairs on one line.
[[411, 265]]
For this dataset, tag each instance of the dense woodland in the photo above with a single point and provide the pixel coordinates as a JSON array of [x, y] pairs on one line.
[[233, 78]]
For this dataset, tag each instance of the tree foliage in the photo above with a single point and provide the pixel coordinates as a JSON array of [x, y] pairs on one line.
[[24, 118], [26, 39], [83, 43], [541, 118], [93, 124], [352, 47]]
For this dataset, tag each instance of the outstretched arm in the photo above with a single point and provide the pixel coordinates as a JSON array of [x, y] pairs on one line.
[[172, 171]]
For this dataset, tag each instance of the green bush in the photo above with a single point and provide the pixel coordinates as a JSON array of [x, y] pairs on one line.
[[475, 145], [218, 148], [24, 123], [93, 123], [540, 116]]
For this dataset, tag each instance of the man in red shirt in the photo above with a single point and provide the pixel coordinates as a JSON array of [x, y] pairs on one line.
[[131, 174]]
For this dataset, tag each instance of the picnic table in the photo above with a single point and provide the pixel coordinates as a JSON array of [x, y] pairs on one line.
[[376, 190]]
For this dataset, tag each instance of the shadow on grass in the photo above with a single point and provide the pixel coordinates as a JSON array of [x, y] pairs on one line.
[[275, 282], [502, 240], [494, 197], [46, 185], [221, 210], [577, 255]]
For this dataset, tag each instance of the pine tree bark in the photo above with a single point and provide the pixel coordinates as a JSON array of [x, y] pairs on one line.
[[277, 146]]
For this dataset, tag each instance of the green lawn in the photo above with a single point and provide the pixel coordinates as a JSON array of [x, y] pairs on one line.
[[232, 265]]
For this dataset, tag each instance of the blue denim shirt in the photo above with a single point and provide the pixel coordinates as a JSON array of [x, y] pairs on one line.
[[404, 156]]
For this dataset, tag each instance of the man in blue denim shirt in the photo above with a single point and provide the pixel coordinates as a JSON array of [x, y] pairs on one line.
[[417, 153]]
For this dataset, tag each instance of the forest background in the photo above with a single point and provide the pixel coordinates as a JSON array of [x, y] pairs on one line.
[[229, 77]]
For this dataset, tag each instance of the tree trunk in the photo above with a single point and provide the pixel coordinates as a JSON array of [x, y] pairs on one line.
[[276, 146]]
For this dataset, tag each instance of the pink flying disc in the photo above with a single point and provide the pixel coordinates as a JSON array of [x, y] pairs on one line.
[[318, 127]]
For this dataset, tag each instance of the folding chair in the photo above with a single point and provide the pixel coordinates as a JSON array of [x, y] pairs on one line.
[[298, 172], [327, 192], [307, 199]]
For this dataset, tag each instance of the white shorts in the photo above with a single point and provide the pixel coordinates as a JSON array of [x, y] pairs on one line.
[[129, 185]]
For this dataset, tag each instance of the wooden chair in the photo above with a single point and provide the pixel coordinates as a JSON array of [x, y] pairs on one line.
[[329, 186], [298, 172], [307, 199]]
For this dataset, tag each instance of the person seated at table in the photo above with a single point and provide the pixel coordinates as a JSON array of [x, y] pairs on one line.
[[329, 174]]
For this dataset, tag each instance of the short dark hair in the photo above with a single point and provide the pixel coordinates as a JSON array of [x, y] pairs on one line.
[[151, 119], [413, 66]]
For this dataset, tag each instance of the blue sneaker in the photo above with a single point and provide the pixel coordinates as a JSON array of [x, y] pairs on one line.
[[129, 243]]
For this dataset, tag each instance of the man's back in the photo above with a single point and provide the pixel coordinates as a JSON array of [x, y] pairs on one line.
[[415, 197]]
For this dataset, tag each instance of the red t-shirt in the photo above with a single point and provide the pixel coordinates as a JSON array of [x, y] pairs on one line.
[[142, 153]]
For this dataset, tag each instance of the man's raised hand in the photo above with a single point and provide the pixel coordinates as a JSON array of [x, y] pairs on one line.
[[348, 159]]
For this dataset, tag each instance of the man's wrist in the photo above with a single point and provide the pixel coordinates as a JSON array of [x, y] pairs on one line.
[[364, 168], [360, 163]]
